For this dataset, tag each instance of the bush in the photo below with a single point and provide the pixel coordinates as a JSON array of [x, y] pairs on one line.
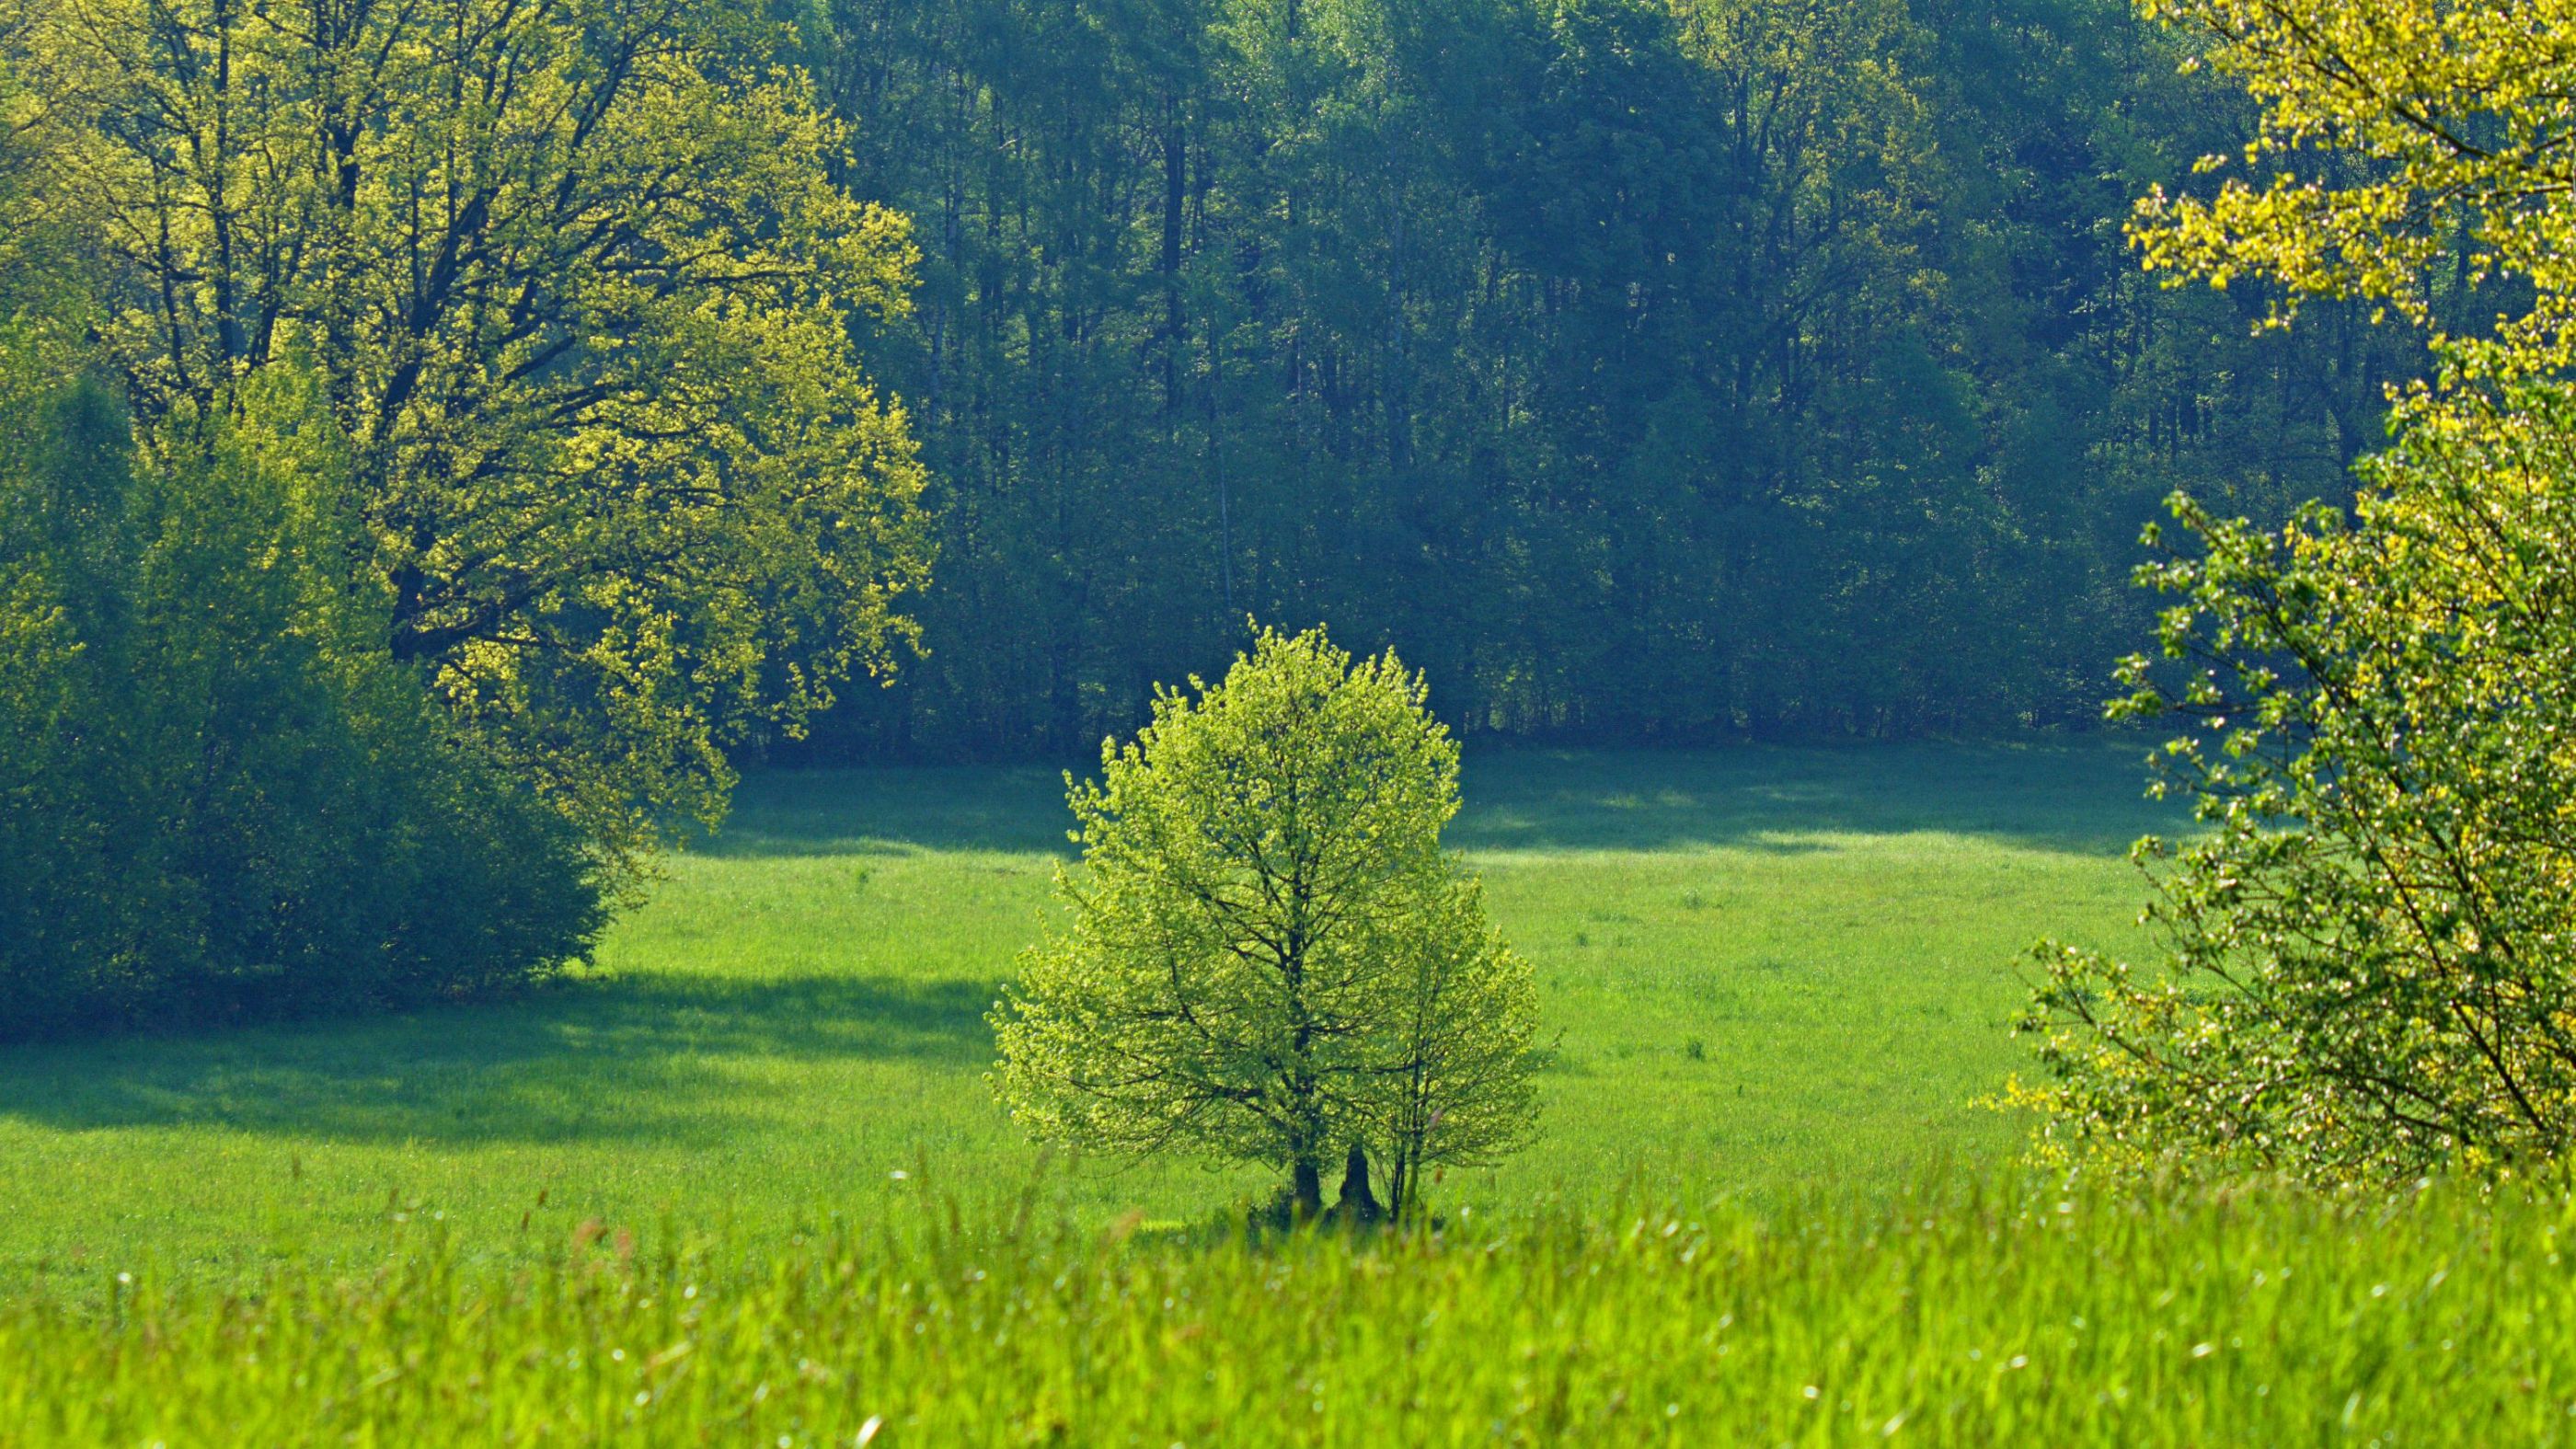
[[213, 805]]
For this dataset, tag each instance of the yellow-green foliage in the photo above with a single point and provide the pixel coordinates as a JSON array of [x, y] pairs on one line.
[[1973, 1315], [1270, 958], [2369, 970], [2412, 150], [578, 296]]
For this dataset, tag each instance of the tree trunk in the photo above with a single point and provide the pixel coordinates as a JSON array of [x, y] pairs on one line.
[[1358, 1205], [1307, 1186], [1175, 195]]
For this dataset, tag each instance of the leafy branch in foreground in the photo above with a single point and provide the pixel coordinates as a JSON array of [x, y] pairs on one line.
[[2418, 151], [2370, 967], [2370, 970]]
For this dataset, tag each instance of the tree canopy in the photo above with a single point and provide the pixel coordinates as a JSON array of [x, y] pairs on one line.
[[433, 437], [2368, 973], [1269, 958], [574, 289]]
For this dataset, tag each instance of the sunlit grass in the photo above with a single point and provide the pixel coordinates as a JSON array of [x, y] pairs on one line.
[[1980, 1312], [745, 1184], [1762, 968]]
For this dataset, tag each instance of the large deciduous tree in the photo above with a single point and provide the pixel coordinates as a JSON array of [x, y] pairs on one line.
[[579, 298], [2370, 972], [1269, 957]]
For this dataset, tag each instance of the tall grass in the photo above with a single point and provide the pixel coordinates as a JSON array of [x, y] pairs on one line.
[[1982, 1311]]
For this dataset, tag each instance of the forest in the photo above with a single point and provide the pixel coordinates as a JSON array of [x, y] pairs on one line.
[[1643, 371]]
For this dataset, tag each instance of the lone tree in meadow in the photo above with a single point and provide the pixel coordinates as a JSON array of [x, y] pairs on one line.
[[1270, 958]]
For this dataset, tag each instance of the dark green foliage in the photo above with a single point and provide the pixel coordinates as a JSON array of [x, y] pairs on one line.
[[210, 808], [1638, 369]]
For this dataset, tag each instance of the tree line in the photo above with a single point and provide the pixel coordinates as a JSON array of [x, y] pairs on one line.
[[438, 441], [1643, 369]]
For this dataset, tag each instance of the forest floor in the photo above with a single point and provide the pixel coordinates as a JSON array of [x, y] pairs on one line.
[[1763, 970]]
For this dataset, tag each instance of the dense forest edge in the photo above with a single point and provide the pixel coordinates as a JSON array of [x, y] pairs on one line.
[[1641, 371], [460, 447]]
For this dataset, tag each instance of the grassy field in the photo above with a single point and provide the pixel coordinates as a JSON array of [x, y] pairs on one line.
[[744, 1184], [1972, 1315], [1767, 969]]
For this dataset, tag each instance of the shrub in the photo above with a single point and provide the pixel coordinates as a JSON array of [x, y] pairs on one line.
[[212, 808]]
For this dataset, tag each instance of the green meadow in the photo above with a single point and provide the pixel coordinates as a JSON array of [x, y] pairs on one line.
[[1765, 971], [434, 435], [744, 1183]]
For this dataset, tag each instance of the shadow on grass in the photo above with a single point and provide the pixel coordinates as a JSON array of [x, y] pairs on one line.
[[649, 1058], [2083, 796], [1016, 810]]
